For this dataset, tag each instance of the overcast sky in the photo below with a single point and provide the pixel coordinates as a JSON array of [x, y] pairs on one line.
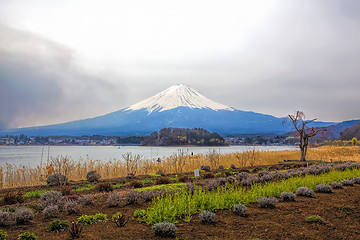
[[66, 60]]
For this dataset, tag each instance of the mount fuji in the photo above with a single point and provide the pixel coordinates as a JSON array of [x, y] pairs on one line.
[[178, 106]]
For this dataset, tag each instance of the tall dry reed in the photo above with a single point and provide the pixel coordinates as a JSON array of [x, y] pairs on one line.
[[14, 175]]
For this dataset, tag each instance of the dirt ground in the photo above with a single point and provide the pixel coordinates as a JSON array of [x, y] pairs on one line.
[[286, 221]]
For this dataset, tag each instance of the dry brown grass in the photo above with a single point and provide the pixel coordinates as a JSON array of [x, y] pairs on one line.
[[14, 176]]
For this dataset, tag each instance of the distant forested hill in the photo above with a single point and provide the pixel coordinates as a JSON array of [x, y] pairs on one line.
[[351, 132], [182, 136]]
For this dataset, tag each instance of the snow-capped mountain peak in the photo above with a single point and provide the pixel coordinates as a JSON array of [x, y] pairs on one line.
[[177, 96]]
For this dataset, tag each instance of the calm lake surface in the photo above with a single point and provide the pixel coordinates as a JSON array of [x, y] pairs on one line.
[[31, 155]]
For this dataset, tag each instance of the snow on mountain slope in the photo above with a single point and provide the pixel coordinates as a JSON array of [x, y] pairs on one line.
[[177, 96]]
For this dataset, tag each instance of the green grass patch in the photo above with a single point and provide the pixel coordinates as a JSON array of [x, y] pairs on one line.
[[116, 186], [174, 179], [36, 193], [156, 188], [345, 208], [154, 175], [146, 181], [87, 187], [92, 219], [314, 219], [171, 208]]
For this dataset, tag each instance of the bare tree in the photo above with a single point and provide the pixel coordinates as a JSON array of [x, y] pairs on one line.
[[304, 132]]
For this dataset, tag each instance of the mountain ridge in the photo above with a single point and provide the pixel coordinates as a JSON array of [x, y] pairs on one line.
[[178, 106]]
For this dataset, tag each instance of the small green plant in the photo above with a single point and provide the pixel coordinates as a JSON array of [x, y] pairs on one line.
[[119, 219], [87, 187], [37, 193], [140, 215], [117, 186], [345, 208], [314, 219], [86, 219], [3, 235], [27, 236], [146, 181], [101, 217], [154, 175], [58, 225]]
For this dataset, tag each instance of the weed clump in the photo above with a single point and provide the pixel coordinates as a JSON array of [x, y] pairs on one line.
[[104, 187], [136, 184], [75, 230], [58, 225], [267, 202], [56, 180], [163, 180], [323, 188], [231, 179], [164, 229], [184, 179], [140, 215], [119, 219], [336, 185], [242, 175], [232, 166], [23, 215], [27, 236], [305, 191], [205, 168], [93, 176], [207, 217], [314, 219], [113, 199], [240, 209], [208, 175], [288, 196]]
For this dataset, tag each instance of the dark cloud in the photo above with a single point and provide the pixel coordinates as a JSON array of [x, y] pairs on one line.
[[40, 83]]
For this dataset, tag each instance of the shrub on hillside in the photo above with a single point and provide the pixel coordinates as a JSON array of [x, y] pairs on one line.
[[104, 187], [163, 180], [231, 179], [207, 217], [242, 175], [5, 218], [85, 199], [51, 211], [288, 196], [93, 176], [356, 180], [205, 168], [164, 229], [56, 180], [222, 181], [113, 199], [221, 167], [52, 198], [147, 196], [23, 215], [212, 184], [184, 179], [232, 166], [131, 197], [336, 185], [136, 184], [240, 209], [267, 202], [72, 207], [348, 183], [323, 188], [304, 191]]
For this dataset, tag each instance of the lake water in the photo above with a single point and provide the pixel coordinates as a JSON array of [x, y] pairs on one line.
[[31, 155]]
